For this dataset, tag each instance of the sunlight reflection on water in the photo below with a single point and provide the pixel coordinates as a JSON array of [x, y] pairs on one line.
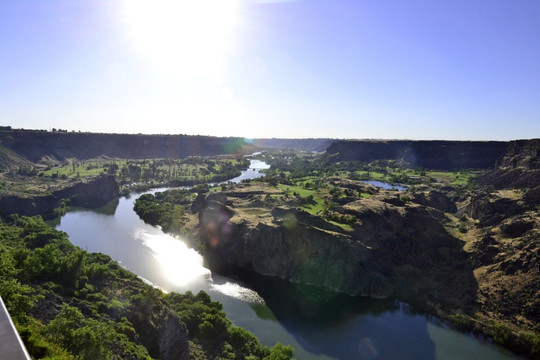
[[180, 264], [238, 292]]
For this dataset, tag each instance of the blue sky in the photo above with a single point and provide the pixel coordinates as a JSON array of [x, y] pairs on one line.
[[418, 69]]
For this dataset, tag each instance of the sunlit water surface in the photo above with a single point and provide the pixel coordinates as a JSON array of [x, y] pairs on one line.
[[318, 324], [384, 185]]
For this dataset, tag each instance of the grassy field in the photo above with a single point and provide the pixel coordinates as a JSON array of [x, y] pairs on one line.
[[145, 170], [315, 208], [455, 179]]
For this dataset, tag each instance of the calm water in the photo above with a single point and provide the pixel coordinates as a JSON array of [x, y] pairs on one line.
[[384, 185], [318, 324]]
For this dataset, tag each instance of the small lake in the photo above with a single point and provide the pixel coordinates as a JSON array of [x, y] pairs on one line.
[[318, 324], [384, 185]]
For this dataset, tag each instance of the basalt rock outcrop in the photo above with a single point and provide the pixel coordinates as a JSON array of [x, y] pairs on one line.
[[522, 153], [518, 168], [503, 238], [392, 250], [435, 199], [91, 192], [283, 243], [162, 332], [490, 208]]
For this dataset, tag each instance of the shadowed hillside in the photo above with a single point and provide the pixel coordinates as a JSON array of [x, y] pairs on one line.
[[444, 155], [41, 146], [294, 144]]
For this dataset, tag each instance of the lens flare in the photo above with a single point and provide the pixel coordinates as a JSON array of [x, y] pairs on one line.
[[367, 349]]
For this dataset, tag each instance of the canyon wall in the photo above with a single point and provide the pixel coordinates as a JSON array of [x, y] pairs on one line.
[[39, 146], [92, 192], [443, 155]]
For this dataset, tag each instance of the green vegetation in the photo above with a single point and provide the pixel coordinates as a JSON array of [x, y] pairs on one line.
[[130, 174], [187, 170], [309, 198], [70, 304], [164, 208], [208, 324], [461, 322], [299, 165], [318, 197]]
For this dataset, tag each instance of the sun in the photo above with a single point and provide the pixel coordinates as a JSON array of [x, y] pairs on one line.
[[184, 38]]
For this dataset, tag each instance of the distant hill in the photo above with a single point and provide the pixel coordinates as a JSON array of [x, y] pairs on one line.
[[24, 147], [434, 154], [46, 147]]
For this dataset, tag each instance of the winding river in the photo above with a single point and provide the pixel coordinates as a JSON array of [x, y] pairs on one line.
[[317, 324]]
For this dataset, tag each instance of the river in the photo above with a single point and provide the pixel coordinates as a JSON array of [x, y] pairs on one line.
[[316, 323]]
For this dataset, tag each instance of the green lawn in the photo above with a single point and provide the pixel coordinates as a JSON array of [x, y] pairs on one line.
[[448, 177], [296, 189], [373, 175], [313, 209]]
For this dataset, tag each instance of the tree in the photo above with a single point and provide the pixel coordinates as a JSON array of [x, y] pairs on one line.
[[280, 352]]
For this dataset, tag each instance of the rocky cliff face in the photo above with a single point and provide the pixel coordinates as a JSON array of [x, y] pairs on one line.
[[161, 332], [294, 144], [445, 155], [391, 250], [92, 192], [521, 153], [287, 246], [504, 238], [518, 168], [491, 209]]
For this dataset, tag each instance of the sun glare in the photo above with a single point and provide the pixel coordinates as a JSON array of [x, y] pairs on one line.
[[186, 38], [180, 264]]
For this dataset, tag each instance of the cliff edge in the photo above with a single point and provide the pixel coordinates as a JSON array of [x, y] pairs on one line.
[[87, 192]]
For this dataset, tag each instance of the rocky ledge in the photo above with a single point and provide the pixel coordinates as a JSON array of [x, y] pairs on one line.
[[89, 192], [392, 249]]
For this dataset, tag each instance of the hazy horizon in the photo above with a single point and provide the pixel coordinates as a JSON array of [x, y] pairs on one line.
[[337, 69]]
